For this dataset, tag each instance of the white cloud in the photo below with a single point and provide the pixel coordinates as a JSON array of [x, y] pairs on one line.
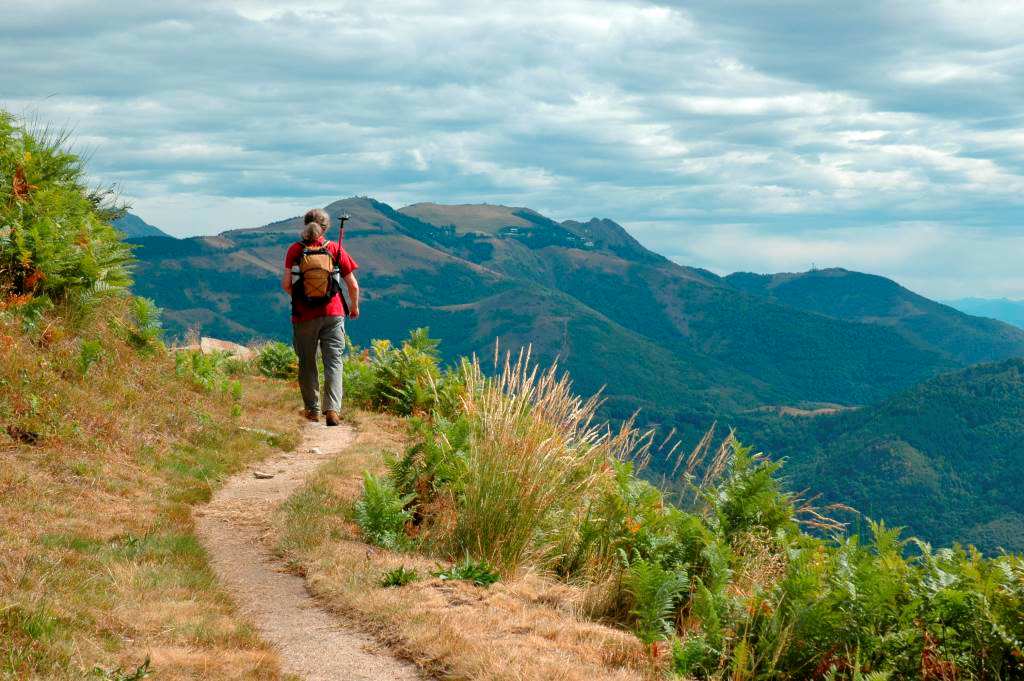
[[882, 138]]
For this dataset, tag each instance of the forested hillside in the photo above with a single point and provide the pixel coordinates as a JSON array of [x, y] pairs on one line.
[[944, 459]]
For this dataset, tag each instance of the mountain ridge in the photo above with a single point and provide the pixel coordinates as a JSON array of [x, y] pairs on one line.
[[856, 296], [1003, 309], [135, 227]]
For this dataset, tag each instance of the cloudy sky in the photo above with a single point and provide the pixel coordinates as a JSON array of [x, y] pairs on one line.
[[762, 136]]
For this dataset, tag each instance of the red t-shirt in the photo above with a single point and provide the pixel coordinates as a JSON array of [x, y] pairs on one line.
[[334, 307]]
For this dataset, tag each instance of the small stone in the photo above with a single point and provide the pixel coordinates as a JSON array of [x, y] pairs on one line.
[[314, 450], [261, 475]]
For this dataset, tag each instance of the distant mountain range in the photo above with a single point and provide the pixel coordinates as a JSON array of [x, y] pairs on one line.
[[1003, 309], [684, 345], [134, 226]]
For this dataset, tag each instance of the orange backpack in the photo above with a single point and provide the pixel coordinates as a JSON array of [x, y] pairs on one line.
[[316, 277]]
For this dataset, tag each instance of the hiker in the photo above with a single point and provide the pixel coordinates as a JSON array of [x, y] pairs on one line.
[[313, 271]]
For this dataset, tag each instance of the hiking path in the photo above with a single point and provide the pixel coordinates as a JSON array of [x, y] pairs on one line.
[[235, 529]]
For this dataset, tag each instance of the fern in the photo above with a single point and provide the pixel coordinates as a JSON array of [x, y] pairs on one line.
[[381, 512], [90, 353], [56, 241], [145, 331], [655, 592], [398, 577]]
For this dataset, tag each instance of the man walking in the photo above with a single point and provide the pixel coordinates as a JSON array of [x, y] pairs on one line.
[[313, 271]]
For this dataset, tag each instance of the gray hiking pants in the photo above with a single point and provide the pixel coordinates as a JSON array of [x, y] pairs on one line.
[[329, 334]]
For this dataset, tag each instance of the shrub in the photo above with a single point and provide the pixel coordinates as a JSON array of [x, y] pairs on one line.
[[212, 372], [360, 378], [513, 472], [381, 513], [56, 241], [402, 380], [398, 577], [277, 360]]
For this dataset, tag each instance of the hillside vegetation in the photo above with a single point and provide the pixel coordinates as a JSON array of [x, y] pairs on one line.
[[106, 440], [508, 476], [942, 459]]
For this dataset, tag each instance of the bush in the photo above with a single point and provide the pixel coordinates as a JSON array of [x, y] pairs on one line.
[[56, 241], [212, 372], [277, 360], [402, 380]]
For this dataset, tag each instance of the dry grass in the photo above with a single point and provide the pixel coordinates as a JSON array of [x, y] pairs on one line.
[[523, 629], [538, 456], [99, 565]]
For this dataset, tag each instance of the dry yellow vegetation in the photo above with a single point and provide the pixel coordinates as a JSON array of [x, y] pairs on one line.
[[530, 627], [104, 450]]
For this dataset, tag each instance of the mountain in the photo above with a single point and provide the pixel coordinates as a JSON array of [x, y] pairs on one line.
[[135, 227], [1003, 309], [679, 341], [868, 298], [944, 459]]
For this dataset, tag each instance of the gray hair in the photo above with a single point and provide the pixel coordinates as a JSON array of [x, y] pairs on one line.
[[316, 222]]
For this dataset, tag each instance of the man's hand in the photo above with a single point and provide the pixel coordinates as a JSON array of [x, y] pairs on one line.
[[353, 313]]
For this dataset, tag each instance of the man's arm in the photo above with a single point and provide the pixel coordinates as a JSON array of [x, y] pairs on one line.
[[353, 295], [286, 281]]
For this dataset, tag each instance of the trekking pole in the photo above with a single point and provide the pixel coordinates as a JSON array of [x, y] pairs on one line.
[[341, 226]]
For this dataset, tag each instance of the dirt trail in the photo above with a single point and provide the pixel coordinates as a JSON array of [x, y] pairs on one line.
[[233, 527]]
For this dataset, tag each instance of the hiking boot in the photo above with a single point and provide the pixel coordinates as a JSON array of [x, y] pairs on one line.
[[311, 415], [332, 418]]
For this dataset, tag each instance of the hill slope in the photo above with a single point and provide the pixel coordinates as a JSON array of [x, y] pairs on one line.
[[683, 344], [944, 458]]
